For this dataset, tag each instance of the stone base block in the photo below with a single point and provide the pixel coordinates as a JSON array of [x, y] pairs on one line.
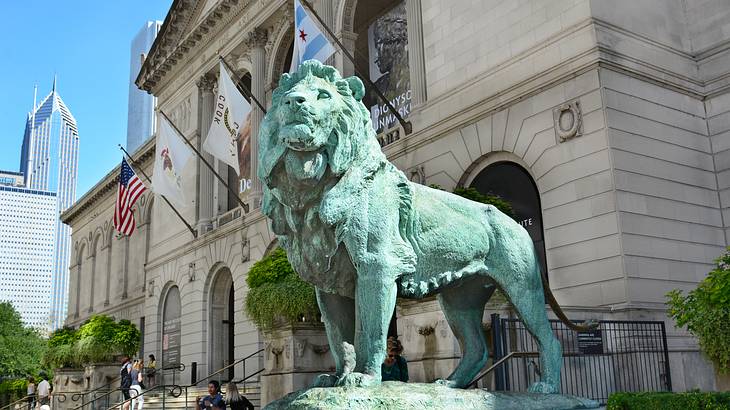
[[419, 396]]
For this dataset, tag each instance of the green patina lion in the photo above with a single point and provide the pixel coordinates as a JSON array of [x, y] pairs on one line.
[[362, 234]]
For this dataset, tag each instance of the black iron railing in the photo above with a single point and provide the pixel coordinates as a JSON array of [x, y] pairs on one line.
[[616, 356]]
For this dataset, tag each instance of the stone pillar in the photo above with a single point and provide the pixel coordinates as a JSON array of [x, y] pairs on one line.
[[205, 176], [326, 10], [77, 292], [416, 63], [93, 280], [108, 248], [256, 41], [344, 65]]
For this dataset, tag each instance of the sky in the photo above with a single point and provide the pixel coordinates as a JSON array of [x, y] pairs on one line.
[[87, 45]]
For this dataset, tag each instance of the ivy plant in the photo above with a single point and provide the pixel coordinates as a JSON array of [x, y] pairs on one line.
[[277, 293], [705, 311]]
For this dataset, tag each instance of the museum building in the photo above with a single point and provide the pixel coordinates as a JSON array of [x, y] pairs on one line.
[[606, 126]]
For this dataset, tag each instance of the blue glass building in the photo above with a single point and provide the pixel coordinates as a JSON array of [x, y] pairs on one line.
[[49, 161]]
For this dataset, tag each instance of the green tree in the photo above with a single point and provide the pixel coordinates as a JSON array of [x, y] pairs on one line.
[[101, 339], [705, 311], [21, 347]]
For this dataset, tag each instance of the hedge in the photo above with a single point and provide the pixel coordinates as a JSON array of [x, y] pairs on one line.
[[693, 400]]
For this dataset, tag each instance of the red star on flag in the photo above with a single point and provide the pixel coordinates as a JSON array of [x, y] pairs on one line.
[[303, 35]]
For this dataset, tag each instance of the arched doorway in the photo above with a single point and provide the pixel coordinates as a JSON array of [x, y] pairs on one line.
[[171, 329], [512, 183], [221, 319]]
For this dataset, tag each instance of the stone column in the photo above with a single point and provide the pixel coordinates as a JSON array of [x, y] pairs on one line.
[[344, 65], [416, 63], [93, 281], [77, 293], [205, 176], [108, 270], [326, 10], [256, 41]]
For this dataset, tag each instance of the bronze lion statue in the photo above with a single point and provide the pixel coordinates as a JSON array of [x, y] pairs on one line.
[[355, 228]]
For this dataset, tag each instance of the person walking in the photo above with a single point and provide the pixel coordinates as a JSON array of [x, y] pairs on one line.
[[125, 380], [234, 400], [151, 370], [137, 385], [44, 391], [30, 392]]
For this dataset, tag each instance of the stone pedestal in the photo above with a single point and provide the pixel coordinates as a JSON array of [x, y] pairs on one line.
[[418, 396], [294, 355], [67, 382]]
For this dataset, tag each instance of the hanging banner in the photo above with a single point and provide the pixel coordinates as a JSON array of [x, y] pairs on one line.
[[388, 50]]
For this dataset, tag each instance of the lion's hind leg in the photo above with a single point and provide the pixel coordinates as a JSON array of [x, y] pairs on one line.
[[463, 307], [338, 315], [530, 306]]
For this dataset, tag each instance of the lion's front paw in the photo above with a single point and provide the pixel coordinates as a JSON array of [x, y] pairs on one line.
[[325, 380], [355, 379], [543, 387]]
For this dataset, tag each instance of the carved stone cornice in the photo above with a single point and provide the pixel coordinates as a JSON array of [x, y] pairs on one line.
[[256, 38]]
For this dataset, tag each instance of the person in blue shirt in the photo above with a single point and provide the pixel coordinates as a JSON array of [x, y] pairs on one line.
[[214, 399]]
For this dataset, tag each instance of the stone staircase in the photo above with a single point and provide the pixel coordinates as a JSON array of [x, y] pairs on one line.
[[155, 400]]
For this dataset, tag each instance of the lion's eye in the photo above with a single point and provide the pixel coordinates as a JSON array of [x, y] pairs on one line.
[[323, 94]]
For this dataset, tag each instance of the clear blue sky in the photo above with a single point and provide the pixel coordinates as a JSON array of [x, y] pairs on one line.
[[87, 43]]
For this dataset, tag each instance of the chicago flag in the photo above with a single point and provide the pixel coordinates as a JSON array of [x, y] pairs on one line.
[[171, 156], [229, 113], [309, 42]]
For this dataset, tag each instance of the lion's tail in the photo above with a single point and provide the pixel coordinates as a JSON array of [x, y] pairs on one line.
[[559, 311]]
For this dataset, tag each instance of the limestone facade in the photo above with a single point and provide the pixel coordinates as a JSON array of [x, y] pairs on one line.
[[619, 112]]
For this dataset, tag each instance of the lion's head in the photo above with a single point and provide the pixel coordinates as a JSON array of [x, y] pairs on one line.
[[316, 122]]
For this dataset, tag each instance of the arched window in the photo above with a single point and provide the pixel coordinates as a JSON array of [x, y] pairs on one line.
[[512, 183]]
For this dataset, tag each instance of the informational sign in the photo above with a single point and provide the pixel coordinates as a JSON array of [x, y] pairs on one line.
[[388, 50], [171, 341], [590, 342]]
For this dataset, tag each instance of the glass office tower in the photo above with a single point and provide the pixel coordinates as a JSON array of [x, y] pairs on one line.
[[49, 161]]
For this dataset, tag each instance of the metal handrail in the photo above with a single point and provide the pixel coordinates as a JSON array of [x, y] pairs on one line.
[[497, 363], [222, 369], [24, 398], [176, 387]]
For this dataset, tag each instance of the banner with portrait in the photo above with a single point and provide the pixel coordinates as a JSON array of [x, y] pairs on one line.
[[244, 157], [388, 50]]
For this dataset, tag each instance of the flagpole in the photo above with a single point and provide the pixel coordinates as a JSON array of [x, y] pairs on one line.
[[407, 127], [190, 228], [240, 86], [230, 190]]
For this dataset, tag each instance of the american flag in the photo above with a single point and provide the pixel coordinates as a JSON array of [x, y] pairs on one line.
[[130, 189]]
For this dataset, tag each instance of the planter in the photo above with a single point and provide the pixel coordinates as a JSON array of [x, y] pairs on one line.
[[294, 354]]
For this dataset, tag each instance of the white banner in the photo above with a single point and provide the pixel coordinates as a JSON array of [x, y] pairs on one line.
[[171, 157], [229, 113]]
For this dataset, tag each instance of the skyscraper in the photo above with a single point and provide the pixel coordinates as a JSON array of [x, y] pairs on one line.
[[28, 223], [49, 160], [141, 107]]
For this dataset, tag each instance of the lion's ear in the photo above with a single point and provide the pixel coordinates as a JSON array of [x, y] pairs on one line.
[[356, 86]]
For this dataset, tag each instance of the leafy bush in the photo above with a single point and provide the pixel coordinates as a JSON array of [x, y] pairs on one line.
[[270, 269], [705, 312], [693, 400], [101, 339], [61, 350], [12, 390], [277, 292]]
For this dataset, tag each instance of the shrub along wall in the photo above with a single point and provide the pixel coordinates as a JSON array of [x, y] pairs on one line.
[[693, 400]]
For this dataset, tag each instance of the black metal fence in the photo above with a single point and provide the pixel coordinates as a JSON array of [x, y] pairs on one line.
[[616, 356]]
